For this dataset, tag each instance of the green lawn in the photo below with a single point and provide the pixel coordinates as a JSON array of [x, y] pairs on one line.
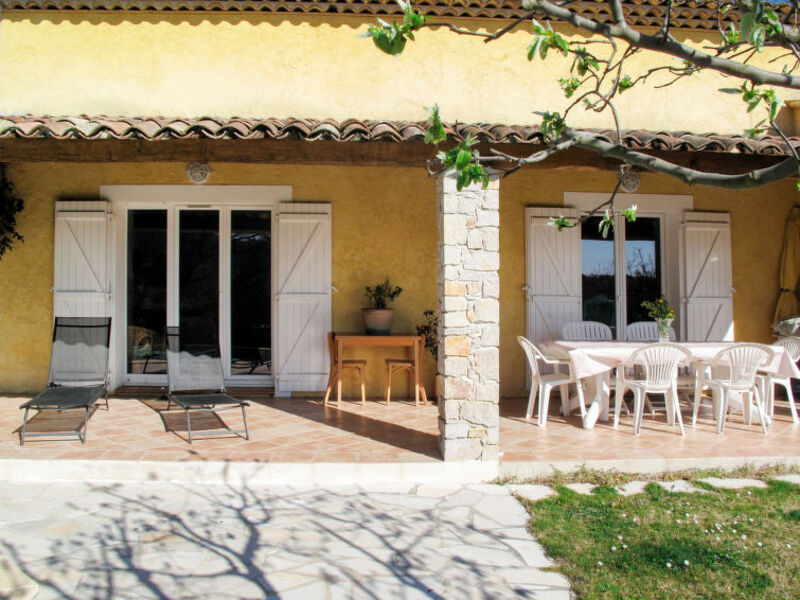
[[720, 544]]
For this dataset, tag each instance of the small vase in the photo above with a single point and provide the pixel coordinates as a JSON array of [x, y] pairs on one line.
[[378, 321], [663, 329]]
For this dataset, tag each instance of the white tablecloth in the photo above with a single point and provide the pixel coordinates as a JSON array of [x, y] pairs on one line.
[[593, 362], [594, 358]]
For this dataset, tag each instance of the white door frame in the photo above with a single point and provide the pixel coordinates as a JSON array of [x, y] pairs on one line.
[[669, 208], [173, 198]]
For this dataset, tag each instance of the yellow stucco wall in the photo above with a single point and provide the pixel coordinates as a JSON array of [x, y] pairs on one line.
[[758, 218], [261, 65], [383, 224]]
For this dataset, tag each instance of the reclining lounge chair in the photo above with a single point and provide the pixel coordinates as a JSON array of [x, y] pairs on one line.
[[78, 372], [196, 383]]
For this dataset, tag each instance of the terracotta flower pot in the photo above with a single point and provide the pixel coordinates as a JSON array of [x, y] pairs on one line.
[[378, 321]]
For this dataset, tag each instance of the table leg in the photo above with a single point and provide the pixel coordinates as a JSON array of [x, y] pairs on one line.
[[339, 350], [415, 351], [597, 389]]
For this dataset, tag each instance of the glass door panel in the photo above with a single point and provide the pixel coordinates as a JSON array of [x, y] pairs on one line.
[[598, 274], [250, 293], [198, 278], [147, 291], [642, 265]]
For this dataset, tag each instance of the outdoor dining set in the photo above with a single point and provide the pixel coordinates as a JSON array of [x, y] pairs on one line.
[[741, 377]]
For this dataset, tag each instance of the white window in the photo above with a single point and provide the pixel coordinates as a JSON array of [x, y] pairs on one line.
[[579, 275]]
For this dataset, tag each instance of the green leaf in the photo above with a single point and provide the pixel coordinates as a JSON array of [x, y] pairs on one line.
[[746, 24], [463, 159], [560, 222], [630, 213], [462, 180], [730, 90], [625, 83], [569, 85], [435, 133]]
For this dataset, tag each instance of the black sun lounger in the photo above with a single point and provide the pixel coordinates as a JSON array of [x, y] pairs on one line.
[[78, 372], [196, 383]]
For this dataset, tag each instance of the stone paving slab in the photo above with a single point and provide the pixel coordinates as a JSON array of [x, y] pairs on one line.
[[581, 488], [790, 478], [632, 488], [155, 540], [680, 485], [733, 483], [531, 492]]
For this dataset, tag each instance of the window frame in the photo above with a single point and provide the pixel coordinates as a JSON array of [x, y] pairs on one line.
[[669, 209]]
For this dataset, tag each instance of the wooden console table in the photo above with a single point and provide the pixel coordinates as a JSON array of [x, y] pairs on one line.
[[351, 340]]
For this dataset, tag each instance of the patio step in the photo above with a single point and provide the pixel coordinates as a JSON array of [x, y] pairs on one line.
[[243, 472]]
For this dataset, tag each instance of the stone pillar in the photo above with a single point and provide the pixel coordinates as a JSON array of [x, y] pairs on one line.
[[469, 328]]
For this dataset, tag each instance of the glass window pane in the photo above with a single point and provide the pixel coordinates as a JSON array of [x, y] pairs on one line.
[[198, 268], [250, 293], [597, 274], [642, 265], [147, 291]]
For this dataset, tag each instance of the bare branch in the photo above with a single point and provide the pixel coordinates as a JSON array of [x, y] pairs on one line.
[[488, 37], [750, 179], [669, 46]]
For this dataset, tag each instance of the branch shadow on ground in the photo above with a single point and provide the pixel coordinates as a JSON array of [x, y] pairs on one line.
[[233, 541]]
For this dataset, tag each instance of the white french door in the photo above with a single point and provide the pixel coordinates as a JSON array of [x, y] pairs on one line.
[[207, 270], [205, 267]]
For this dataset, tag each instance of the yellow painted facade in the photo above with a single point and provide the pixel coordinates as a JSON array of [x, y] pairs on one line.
[[312, 66], [383, 225]]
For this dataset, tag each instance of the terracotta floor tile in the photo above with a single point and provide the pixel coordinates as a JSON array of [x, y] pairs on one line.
[[303, 430]]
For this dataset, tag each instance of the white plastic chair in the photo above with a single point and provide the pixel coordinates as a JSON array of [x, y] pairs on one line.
[[543, 383], [791, 346], [645, 331], [741, 363], [586, 331], [659, 364]]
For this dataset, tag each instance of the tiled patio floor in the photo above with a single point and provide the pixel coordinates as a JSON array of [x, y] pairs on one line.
[[302, 430]]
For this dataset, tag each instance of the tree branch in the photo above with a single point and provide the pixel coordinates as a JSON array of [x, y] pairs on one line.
[[750, 179], [623, 31]]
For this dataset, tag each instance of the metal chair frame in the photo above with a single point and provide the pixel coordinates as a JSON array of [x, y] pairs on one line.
[[81, 434], [180, 397]]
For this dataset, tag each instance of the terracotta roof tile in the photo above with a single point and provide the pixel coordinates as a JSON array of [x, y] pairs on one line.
[[352, 130], [692, 14]]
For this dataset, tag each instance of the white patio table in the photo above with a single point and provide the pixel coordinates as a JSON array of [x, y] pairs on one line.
[[594, 361]]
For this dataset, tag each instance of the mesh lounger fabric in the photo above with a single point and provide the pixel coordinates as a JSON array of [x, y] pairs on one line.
[[201, 400], [66, 398], [196, 381], [78, 370]]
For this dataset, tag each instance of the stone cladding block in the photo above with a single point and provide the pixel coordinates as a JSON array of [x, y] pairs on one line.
[[469, 327]]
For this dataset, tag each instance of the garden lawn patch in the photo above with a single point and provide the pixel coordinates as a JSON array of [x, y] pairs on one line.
[[658, 544]]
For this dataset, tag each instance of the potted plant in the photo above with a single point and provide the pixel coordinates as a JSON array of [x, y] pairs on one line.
[[378, 318], [429, 329], [663, 314]]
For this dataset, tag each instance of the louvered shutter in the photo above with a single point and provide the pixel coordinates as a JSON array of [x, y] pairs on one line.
[[82, 270], [553, 274], [706, 277], [303, 297]]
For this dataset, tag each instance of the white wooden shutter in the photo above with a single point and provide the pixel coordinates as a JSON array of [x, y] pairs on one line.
[[82, 270], [553, 273], [303, 298], [706, 277]]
